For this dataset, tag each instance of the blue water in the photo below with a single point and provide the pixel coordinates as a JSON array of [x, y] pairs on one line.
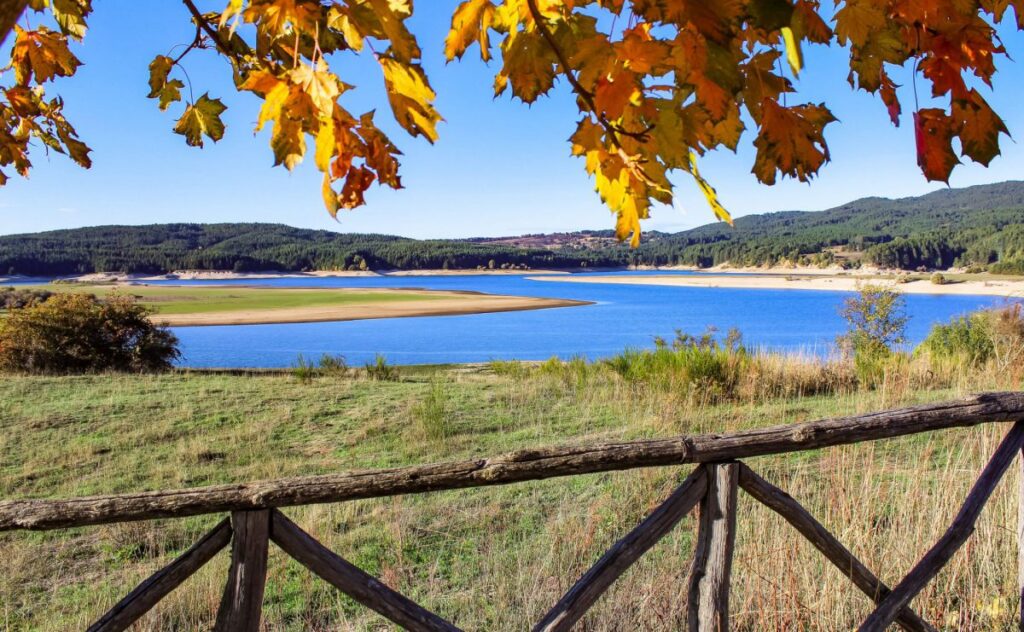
[[623, 316]]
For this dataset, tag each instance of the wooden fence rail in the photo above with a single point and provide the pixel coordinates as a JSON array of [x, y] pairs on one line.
[[256, 521]]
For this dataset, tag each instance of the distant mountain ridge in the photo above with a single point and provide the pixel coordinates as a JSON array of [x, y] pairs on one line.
[[975, 226]]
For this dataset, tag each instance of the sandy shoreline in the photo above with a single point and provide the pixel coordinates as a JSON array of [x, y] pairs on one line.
[[441, 304], [796, 281], [227, 275]]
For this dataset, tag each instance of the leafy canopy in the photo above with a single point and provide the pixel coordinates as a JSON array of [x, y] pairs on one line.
[[658, 83]]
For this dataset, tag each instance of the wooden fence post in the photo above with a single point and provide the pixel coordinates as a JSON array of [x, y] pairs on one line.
[[1020, 538], [707, 606], [242, 603]]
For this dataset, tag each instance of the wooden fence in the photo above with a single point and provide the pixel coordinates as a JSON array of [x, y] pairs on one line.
[[255, 518]]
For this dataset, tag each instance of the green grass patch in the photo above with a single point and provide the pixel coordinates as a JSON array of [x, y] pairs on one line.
[[491, 558], [202, 300]]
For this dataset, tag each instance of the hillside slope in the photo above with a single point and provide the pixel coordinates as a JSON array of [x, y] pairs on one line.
[[975, 226]]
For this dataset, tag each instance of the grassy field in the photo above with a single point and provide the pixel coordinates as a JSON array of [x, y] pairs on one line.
[[493, 558], [169, 299]]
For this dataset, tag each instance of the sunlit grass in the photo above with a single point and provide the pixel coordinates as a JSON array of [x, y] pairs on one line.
[[168, 299], [491, 558]]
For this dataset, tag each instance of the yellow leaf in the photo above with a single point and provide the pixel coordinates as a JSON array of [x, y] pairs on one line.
[[42, 53], [330, 197], [70, 16], [160, 87], [287, 142], [391, 15], [325, 145], [272, 104], [793, 54], [709, 192], [233, 10], [321, 86], [470, 23], [411, 97], [279, 17], [201, 118], [628, 222], [342, 22], [529, 65]]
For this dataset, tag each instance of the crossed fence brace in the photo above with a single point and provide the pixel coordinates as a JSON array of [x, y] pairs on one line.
[[256, 520]]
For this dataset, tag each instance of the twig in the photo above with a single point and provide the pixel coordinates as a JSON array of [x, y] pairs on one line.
[[588, 97], [204, 25]]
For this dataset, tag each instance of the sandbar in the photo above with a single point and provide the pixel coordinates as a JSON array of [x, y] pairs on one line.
[[440, 303], [851, 283]]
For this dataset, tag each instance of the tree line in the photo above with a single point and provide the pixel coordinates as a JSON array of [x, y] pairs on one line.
[[980, 226]]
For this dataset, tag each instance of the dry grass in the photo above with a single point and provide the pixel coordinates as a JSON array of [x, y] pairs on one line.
[[494, 558]]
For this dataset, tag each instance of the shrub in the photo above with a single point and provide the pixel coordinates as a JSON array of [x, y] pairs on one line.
[[379, 369], [303, 369], [79, 333], [992, 335], [333, 365], [16, 298], [1015, 267], [939, 279], [876, 323], [572, 373], [965, 339], [1007, 331], [511, 368], [690, 362]]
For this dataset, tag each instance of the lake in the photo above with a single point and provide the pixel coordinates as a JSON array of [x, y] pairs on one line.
[[622, 316]]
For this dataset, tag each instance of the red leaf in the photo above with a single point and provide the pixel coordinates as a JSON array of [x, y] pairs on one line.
[[933, 133], [892, 103]]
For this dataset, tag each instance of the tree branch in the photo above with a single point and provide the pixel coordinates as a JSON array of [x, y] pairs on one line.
[[585, 95], [10, 11], [201, 23]]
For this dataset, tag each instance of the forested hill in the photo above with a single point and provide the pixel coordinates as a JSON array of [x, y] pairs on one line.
[[977, 226]]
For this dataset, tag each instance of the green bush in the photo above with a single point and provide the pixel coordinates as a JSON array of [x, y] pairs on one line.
[[992, 335], [79, 333], [965, 339], [380, 370], [689, 362], [16, 298], [333, 365], [876, 323], [1015, 267], [939, 279], [303, 370]]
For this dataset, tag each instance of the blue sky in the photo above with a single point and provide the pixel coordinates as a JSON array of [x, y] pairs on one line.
[[500, 167]]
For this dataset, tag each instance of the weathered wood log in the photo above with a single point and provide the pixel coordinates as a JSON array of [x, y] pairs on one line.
[[352, 580], [707, 602], [160, 584], [510, 468], [953, 539], [624, 553], [783, 504], [242, 603], [1020, 538]]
